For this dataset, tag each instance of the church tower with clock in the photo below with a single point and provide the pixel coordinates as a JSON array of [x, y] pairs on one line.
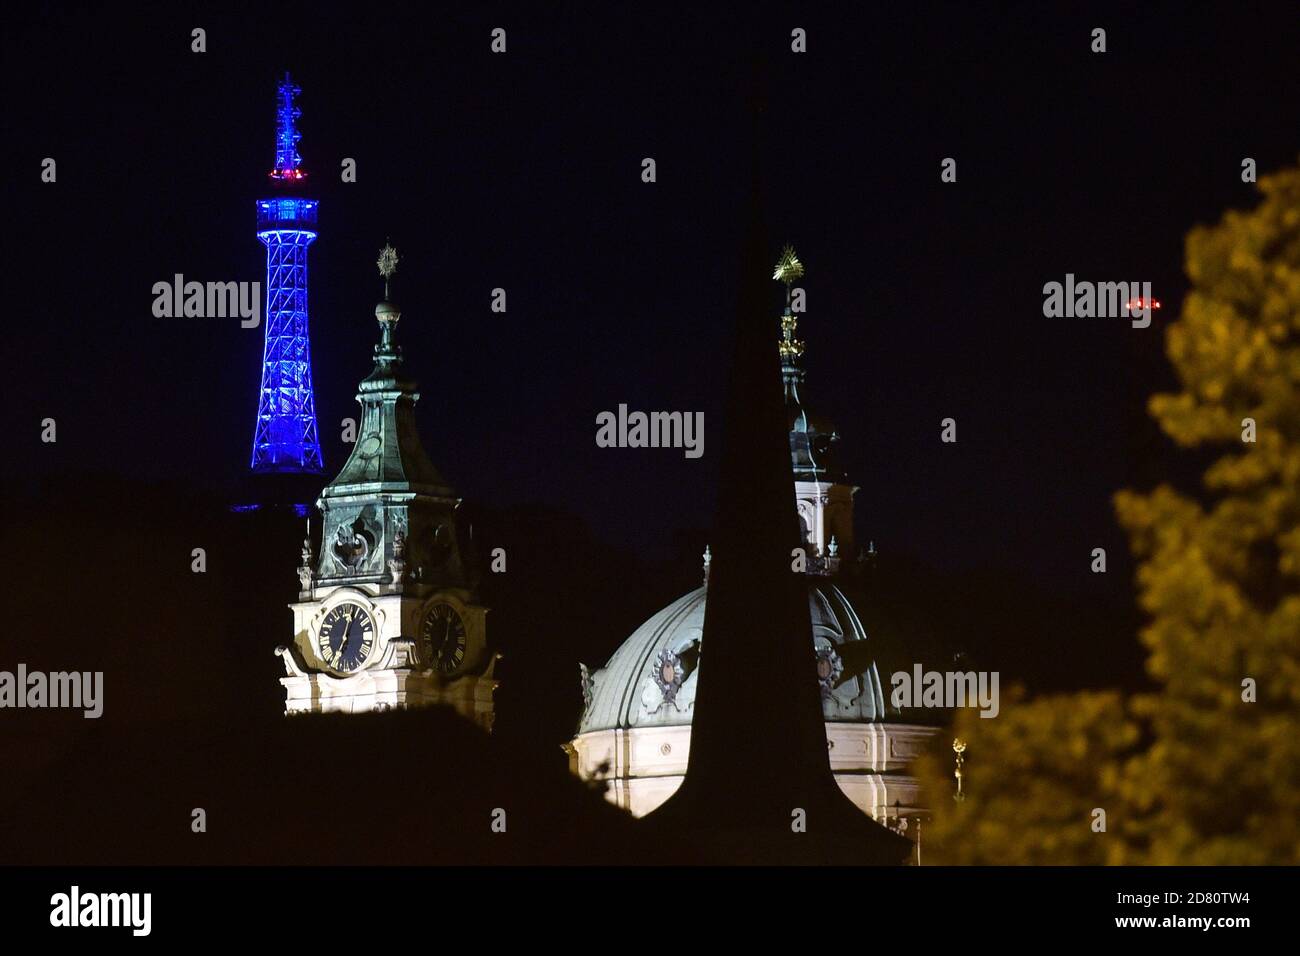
[[387, 615]]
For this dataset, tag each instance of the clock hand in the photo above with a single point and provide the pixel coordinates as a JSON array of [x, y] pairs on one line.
[[442, 643], [448, 647], [347, 633]]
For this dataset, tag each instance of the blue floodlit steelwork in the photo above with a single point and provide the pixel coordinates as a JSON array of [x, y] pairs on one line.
[[285, 438], [287, 159]]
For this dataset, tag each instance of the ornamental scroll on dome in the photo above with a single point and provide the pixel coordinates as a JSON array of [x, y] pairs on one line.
[[668, 674], [829, 669], [588, 686]]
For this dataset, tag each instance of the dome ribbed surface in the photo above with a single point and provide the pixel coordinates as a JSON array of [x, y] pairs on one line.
[[624, 693]]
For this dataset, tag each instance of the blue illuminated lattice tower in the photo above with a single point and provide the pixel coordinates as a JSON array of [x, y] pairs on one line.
[[285, 438]]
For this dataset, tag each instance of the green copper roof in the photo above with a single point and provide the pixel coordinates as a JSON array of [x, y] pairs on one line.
[[388, 455]]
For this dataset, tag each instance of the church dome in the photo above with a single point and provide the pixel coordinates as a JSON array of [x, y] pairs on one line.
[[635, 732], [650, 680]]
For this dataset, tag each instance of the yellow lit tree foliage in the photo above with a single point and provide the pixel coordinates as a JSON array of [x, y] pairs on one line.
[[1033, 777], [1215, 778], [1220, 573]]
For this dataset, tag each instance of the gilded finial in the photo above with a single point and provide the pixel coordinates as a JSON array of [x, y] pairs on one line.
[[788, 267], [387, 263], [387, 312], [305, 569], [958, 748]]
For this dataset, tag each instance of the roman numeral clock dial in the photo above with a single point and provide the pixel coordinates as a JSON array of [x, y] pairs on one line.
[[442, 638], [346, 637]]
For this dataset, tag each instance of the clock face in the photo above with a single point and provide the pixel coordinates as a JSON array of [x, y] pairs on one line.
[[443, 638], [346, 637], [369, 446]]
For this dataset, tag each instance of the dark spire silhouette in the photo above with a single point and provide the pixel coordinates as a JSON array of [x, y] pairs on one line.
[[758, 754]]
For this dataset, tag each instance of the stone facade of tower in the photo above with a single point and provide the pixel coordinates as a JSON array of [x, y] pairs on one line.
[[388, 614]]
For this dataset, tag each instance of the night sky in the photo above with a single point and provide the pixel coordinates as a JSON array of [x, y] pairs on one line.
[[522, 171]]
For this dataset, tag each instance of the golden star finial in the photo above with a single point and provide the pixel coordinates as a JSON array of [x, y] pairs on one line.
[[788, 267], [387, 261]]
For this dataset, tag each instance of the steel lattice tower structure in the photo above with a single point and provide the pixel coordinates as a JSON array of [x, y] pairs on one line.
[[285, 438]]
